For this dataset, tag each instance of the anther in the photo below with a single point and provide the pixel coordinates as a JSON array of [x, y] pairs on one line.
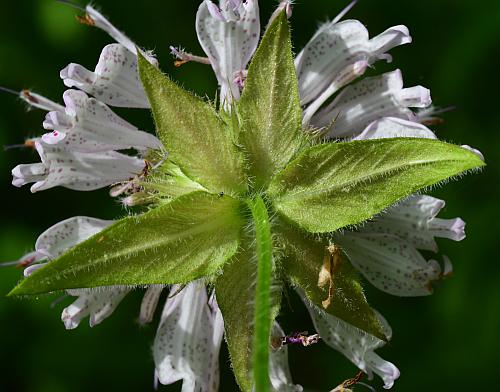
[[18, 263], [179, 63], [184, 57], [29, 97], [86, 19]]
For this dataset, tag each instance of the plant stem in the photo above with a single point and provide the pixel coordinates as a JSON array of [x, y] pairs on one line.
[[262, 315]]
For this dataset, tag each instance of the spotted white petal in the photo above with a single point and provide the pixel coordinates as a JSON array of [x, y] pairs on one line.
[[26, 173], [115, 80], [229, 35], [389, 127], [415, 220], [76, 170], [32, 268], [96, 303], [88, 125], [188, 340], [150, 303], [64, 235], [326, 62], [38, 101], [359, 104], [279, 371], [390, 263], [357, 345]]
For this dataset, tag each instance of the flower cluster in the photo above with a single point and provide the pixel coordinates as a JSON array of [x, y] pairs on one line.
[[88, 147]]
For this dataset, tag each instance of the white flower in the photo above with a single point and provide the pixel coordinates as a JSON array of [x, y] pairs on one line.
[[385, 250], [359, 104], [88, 125], [59, 238], [81, 154], [115, 80], [339, 53], [76, 170], [96, 303], [229, 35], [188, 339], [415, 220], [390, 263], [357, 345]]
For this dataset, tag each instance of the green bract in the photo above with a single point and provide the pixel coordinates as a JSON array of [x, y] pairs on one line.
[[226, 174]]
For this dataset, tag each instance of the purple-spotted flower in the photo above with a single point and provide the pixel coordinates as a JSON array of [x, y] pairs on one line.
[[336, 160]]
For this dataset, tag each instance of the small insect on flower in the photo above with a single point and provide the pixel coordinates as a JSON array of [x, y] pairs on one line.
[[131, 186], [302, 338]]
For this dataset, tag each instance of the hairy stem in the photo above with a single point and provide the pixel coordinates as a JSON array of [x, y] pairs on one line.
[[262, 316]]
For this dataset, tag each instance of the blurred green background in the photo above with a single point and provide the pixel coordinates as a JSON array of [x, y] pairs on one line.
[[448, 341]]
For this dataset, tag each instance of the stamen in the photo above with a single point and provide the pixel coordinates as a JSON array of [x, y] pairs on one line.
[[18, 263], [344, 11], [29, 97], [9, 263], [428, 116], [179, 63], [444, 110], [27, 144], [8, 90], [184, 57], [71, 4], [25, 263], [57, 301]]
